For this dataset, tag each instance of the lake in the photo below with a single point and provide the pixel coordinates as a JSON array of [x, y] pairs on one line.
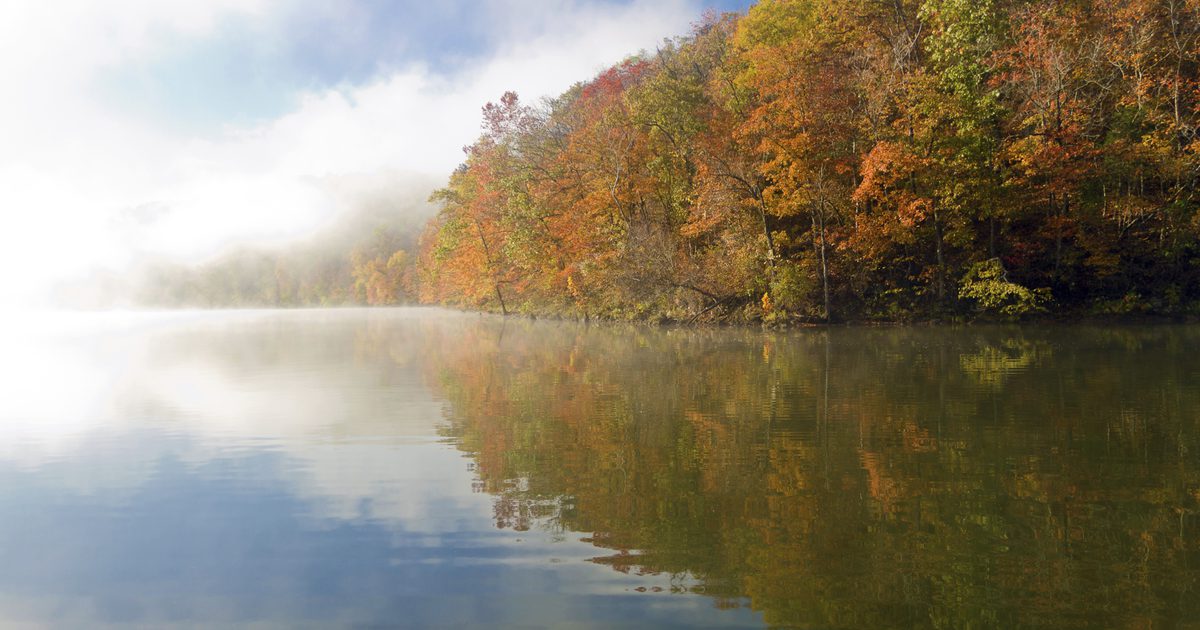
[[401, 467]]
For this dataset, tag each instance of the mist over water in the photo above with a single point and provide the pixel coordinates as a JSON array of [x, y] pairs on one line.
[[419, 467], [283, 468], [142, 133], [202, 426]]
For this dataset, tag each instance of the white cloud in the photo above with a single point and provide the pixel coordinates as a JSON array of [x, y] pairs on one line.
[[73, 167]]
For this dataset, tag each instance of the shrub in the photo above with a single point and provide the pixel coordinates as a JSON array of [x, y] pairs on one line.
[[987, 284], [791, 286]]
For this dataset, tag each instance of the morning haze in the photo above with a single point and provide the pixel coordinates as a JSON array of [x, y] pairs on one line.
[[600, 314]]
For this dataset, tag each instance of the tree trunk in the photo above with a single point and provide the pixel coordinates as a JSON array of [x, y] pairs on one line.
[[762, 215], [487, 256], [991, 237], [500, 296], [940, 281], [818, 219]]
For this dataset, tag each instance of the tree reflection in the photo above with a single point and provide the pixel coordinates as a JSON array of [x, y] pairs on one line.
[[851, 477]]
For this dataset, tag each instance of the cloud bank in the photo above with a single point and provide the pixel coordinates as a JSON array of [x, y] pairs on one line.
[[95, 172]]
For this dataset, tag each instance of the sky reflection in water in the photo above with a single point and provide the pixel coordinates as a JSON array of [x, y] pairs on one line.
[[271, 468], [393, 468]]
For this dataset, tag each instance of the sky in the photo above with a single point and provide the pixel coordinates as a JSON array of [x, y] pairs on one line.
[[161, 128]]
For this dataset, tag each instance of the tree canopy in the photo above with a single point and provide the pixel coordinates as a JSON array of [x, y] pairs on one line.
[[820, 159]]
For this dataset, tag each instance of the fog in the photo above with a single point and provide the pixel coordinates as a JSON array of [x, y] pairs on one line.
[[139, 132]]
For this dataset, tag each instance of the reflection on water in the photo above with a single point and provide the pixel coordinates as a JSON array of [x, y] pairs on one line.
[[422, 468]]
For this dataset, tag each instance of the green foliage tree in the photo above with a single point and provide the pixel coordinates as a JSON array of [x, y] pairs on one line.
[[987, 285]]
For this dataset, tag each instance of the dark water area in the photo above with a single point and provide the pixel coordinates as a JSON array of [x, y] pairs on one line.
[[422, 468]]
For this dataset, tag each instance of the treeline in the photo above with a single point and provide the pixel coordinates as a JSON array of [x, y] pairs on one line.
[[375, 273], [361, 258], [847, 159]]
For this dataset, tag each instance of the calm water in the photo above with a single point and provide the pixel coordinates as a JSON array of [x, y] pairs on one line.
[[419, 468]]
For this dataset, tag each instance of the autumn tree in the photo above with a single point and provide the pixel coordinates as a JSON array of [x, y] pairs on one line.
[[824, 160]]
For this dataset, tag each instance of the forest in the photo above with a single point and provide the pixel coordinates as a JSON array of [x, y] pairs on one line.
[[846, 160], [810, 161]]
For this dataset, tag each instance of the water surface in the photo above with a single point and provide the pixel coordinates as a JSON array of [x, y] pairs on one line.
[[421, 468]]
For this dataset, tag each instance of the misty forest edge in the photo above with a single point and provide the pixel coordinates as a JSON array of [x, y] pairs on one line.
[[811, 160]]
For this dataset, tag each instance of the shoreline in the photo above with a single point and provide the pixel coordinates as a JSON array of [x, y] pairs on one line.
[[1057, 319], [780, 324]]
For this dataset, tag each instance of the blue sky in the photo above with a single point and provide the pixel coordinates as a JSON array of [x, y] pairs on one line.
[[150, 129], [254, 67]]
